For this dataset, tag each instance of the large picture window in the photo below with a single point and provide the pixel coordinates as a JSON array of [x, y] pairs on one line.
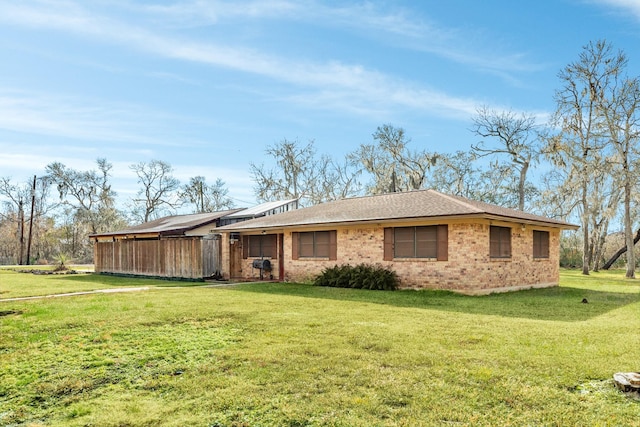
[[416, 242], [260, 246], [500, 242], [315, 244], [540, 244]]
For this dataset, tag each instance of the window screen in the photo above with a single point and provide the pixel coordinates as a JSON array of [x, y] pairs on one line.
[[500, 242], [314, 244], [416, 242], [540, 244], [262, 246]]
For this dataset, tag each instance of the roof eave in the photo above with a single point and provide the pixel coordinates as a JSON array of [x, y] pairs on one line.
[[554, 224], [330, 224]]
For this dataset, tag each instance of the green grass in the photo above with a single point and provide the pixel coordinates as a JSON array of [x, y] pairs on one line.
[[15, 285], [297, 355]]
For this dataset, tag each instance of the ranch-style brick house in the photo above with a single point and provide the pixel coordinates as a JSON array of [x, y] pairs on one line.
[[430, 239]]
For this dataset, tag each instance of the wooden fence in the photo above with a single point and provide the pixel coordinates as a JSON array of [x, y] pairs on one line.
[[183, 257]]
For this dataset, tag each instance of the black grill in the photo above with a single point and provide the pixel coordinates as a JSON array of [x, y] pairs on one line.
[[262, 264]]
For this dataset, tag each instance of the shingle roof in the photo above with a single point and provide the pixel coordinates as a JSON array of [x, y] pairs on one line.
[[174, 225], [388, 207]]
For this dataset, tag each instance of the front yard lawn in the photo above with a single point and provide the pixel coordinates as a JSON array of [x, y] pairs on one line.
[[297, 355], [16, 285]]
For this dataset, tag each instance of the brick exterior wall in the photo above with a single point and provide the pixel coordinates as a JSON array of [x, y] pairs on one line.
[[469, 268]]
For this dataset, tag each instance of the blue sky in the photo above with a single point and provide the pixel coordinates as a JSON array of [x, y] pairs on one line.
[[208, 85]]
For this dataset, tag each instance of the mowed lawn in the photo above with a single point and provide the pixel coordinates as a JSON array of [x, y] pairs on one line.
[[296, 355], [18, 285]]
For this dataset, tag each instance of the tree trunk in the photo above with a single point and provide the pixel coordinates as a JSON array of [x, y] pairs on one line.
[[597, 253], [585, 231], [33, 204], [585, 254], [589, 250], [628, 232], [20, 233], [607, 265], [521, 185]]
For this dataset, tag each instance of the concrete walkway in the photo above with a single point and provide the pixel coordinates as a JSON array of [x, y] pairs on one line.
[[121, 290], [72, 294]]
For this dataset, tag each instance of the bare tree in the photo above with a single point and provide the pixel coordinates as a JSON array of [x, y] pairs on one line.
[[87, 192], [19, 197], [456, 174], [392, 165], [159, 192], [204, 197], [293, 177], [619, 104], [299, 173], [89, 199], [339, 181], [579, 147], [516, 138], [461, 174]]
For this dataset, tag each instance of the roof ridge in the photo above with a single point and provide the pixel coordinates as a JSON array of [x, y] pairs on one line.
[[194, 214], [371, 196], [458, 201]]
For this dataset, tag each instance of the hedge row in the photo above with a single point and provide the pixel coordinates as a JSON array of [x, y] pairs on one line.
[[363, 276]]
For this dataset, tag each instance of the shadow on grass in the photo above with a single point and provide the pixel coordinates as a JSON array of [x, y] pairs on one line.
[[554, 304]]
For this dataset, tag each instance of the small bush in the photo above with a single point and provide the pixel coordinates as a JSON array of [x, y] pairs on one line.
[[362, 276], [61, 265]]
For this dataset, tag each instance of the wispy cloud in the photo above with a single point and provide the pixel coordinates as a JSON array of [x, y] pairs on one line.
[[346, 81], [417, 32], [395, 25], [630, 6], [84, 119], [21, 161], [188, 14], [420, 33]]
